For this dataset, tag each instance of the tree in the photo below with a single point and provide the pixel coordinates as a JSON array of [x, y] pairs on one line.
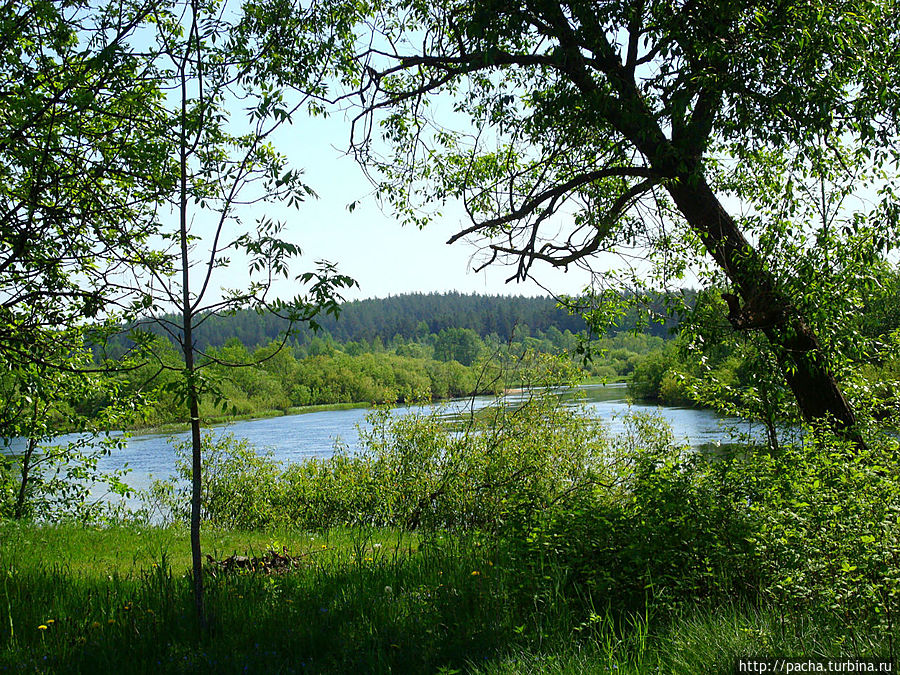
[[51, 477], [457, 344], [82, 169], [81, 165], [271, 61], [618, 127]]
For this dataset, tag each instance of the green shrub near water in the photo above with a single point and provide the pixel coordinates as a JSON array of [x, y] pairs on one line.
[[542, 545], [414, 471]]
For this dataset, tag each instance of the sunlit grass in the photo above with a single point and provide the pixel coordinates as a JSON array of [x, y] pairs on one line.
[[78, 599]]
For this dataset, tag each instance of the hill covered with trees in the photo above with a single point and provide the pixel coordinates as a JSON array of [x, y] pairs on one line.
[[414, 316]]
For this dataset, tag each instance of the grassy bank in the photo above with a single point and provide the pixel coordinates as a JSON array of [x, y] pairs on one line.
[[176, 427], [89, 600]]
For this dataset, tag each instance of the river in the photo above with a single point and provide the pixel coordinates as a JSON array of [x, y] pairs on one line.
[[294, 438]]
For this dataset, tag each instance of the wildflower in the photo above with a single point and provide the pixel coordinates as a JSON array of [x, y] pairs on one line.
[[96, 624], [49, 621], [42, 627], [476, 573], [111, 622], [388, 590]]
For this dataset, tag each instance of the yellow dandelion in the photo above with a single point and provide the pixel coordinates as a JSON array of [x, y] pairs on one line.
[[42, 627], [475, 573], [111, 622], [49, 621], [96, 624]]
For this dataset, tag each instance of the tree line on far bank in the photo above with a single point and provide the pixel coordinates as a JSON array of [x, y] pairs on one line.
[[321, 370]]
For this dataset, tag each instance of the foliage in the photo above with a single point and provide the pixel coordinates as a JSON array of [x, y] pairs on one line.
[[236, 484], [827, 535], [82, 165], [667, 529], [44, 474], [413, 471], [457, 344], [649, 374]]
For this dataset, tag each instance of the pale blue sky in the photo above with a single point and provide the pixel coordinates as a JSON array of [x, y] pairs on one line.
[[371, 246]]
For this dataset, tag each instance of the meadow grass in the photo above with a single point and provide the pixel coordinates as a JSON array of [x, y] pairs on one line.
[[77, 599]]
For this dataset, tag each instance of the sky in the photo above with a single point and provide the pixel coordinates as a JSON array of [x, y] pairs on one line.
[[370, 245]]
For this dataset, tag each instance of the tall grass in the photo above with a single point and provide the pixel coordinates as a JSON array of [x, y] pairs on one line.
[[361, 600]]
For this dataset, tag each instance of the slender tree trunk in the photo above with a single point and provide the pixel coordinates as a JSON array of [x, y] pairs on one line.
[[189, 369], [19, 512], [768, 414], [196, 554]]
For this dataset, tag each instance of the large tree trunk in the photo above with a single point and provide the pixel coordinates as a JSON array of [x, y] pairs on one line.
[[758, 303], [762, 306]]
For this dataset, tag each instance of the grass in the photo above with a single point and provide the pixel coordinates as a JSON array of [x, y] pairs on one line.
[[599, 379], [79, 599], [323, 407]]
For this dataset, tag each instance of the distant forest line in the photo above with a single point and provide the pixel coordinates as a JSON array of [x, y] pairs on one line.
[[414, 316]]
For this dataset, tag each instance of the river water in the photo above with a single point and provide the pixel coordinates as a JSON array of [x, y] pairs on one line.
[[294, 438]]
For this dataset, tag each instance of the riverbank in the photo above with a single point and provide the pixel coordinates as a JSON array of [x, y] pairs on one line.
[[83, 599], [177, 427]]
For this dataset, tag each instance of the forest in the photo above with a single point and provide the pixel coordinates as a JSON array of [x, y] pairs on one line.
[[722, 174]]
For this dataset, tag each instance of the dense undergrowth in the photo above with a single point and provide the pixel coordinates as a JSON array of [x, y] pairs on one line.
[[521, 539]]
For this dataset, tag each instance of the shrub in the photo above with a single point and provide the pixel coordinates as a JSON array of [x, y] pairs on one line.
[[237, 484], [667, 524], [414, 471]]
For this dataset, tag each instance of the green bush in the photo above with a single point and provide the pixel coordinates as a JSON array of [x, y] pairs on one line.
[[648, 374], [829, 530], [237, 485], [414, 471], [667, 525], [629, 524]]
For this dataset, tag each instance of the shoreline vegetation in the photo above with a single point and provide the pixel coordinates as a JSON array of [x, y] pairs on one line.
[[529, 542], [326, 407], [265, 414]]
